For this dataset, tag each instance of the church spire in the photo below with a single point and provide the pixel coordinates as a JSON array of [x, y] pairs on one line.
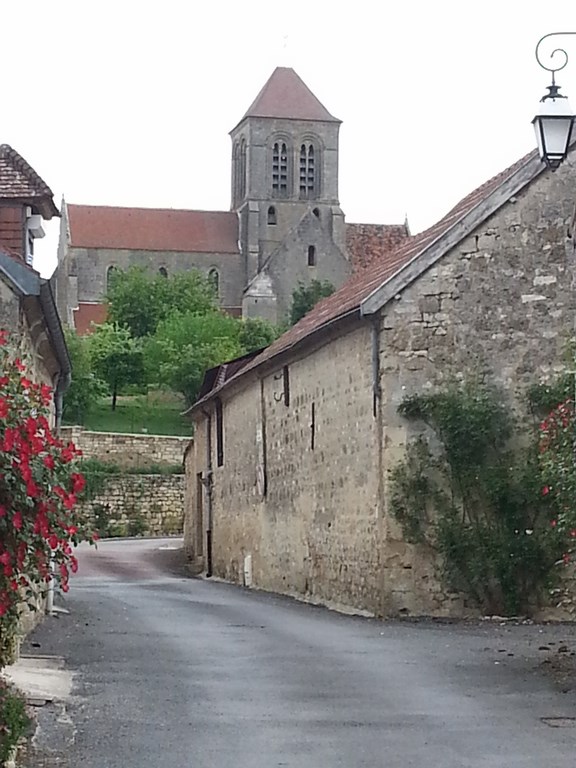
[[285, 95]]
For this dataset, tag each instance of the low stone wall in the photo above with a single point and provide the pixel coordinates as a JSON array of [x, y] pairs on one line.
[[127, 450], [139, 505]]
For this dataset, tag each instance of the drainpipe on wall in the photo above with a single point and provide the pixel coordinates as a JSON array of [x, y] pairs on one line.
[[60, 389], [208, 484], [376, 389]]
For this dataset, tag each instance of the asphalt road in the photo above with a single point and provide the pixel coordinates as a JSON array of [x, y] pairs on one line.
[[183, 673]]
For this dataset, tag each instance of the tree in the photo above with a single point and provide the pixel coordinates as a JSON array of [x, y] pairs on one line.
[[86, 389], [116, 357], [140, 301], [185, 345], [304, 297], [39, 488], [256, 333]]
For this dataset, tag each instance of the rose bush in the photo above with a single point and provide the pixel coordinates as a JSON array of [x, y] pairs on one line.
[[557, 447], [39, 486]]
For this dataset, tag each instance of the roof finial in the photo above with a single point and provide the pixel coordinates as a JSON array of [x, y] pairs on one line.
[[284, 56]]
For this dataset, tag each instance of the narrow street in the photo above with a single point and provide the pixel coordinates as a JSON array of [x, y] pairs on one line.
[[184, 673]]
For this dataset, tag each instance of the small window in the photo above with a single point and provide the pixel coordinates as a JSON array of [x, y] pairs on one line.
[[316, 212], [271, 215], [214, 280], [163, 272], [313, 426], [110, 272], [286, 381], [311, 255], [219, 434]]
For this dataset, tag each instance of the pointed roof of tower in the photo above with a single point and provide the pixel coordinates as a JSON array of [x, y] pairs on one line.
[[286, 95]]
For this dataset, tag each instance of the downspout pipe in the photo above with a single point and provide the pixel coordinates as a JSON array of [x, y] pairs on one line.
[[208, 484], [376, 388]]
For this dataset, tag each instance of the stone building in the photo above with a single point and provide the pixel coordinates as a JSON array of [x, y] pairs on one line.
[[288, 473], [285, 224], [27, 304]]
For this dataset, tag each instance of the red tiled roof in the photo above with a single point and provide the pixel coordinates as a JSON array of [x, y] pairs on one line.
[[286, 95], [348, 299], [86, 314], [19, 181], [153, 229], [367, 243]]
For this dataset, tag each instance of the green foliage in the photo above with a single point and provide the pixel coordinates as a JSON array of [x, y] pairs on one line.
[[475, 497], [157, 413], [186, 345], [86, 389], [255, 333], [140, 301], [557, 454], [116, 357], [14, 722], [304, 297]]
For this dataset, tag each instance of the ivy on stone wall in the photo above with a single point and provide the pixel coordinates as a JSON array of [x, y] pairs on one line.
[[471, 489]]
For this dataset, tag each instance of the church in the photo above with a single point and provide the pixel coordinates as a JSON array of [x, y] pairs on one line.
[[285, 225]]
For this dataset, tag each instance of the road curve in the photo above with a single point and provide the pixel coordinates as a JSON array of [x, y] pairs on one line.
[[186, 673]]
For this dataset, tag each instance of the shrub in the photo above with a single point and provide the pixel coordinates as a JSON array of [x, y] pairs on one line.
[[14, 722], [39, 485], [473, 494]]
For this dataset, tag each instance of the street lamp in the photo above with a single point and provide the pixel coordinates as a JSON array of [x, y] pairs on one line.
[[554, 120]]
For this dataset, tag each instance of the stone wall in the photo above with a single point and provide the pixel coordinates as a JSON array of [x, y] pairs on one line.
[[313, 519], [499, 306], [146, 505], [127, 450], [296, 499]]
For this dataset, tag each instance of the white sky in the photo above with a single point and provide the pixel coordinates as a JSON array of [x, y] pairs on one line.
[[130, 102]]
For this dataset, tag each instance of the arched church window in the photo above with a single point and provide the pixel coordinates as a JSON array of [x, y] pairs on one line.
[[242, 169], [214, 280], [271, 215], [280, 169], [235, 171], [110, 272], [316, 212], [308, 171], [163, 272], [311, 255]]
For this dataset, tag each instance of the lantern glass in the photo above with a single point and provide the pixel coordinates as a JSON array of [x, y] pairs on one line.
[[553, 128]]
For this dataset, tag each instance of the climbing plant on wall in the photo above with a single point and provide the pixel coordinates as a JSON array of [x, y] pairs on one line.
[[470, 487], [39, 486]]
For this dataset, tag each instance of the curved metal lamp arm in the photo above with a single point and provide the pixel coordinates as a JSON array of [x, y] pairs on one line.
[[553, 54]]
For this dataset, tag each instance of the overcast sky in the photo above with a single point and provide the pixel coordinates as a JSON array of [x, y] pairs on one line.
[[130, 103]]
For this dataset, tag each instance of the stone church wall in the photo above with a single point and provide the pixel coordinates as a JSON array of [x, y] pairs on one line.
[[93, 265]]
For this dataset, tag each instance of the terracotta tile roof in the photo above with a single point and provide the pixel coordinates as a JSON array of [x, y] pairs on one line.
[[153, 229], [366, 243], [86, 314], [286, 95], [19, 181], [348, 299]]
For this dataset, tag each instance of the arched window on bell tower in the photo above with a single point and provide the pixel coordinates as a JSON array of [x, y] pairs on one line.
[[308, 171], [280, 169]]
